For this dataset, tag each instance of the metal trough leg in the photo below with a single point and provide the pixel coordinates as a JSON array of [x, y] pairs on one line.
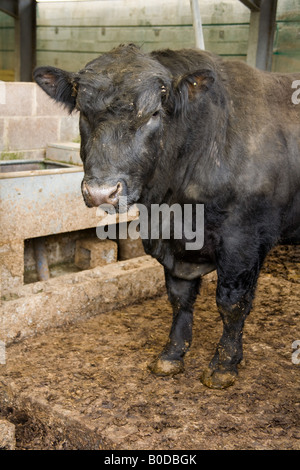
[[41, 259]]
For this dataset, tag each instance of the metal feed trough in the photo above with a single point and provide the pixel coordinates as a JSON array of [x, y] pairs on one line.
[[42, 198], [38, 198]]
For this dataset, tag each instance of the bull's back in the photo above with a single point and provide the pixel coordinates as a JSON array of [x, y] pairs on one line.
[[264, 113], [264, 110], [263, 95]]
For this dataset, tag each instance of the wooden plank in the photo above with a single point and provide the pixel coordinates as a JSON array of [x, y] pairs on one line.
[[288, 10], [7, 43], [6, 20], [221, 39], [131, 12], [288, 38], [7, 75], [286, 63]]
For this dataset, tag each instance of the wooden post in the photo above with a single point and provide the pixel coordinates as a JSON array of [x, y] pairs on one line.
[[24, 13], [267, 26], [17, 50], [261, 34], [27, 38]]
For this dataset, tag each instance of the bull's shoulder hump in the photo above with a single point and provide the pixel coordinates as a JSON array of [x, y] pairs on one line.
[[246, 72], [186, 60]]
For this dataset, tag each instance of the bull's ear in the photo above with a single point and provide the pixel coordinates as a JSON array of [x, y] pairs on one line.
[[188, 87], [58, 84]]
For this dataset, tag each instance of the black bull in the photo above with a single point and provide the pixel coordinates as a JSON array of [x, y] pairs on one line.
[[187, 127]]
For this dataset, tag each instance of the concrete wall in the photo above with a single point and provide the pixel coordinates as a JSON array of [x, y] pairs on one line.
[[69, 34], [29, 121]]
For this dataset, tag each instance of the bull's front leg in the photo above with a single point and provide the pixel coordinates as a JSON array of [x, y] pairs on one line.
[[182, 295]]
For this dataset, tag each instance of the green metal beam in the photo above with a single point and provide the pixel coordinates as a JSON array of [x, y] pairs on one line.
[[254, 5], [10, 7], [25, 33]]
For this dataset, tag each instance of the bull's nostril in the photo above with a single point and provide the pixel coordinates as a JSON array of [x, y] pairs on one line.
[[114, 196], [84, 188], [97, 195]]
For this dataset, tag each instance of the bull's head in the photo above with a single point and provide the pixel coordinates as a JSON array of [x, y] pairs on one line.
[[126, 100]]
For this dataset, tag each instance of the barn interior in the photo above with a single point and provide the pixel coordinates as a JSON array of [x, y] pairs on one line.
[[81, 318]]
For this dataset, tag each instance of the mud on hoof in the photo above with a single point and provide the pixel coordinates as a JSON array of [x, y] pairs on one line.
[[218, 379], [164, 367]]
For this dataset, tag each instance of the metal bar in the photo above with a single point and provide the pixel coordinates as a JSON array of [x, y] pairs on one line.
[[254, 5], [199, 39], [253, 38], [41, 259]]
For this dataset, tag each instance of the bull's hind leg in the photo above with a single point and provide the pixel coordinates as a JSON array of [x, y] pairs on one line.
[[237, 278], [222, 370], [182, 295]]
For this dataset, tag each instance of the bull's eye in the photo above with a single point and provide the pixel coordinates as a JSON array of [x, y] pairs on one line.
[[154, 117], [152, 121]]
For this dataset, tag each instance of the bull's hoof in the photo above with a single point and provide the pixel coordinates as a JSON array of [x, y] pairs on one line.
[[218, 379], [165, 367]]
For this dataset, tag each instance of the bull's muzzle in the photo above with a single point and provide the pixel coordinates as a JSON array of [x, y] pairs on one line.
[[94, 195]]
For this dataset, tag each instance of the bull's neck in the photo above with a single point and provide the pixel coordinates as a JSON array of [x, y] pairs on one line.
[[188, 172]]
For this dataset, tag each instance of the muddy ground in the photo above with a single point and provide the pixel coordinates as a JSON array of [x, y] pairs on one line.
[[95, 373]]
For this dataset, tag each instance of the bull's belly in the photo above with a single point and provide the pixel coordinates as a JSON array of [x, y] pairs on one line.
[[188, 270], [291, 237], [185, 265], [290, 233]]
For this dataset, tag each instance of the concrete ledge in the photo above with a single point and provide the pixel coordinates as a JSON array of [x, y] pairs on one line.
[[64, 152], [55, 421], [91, 253], [11, 265], [7, 435], [36, 307]]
